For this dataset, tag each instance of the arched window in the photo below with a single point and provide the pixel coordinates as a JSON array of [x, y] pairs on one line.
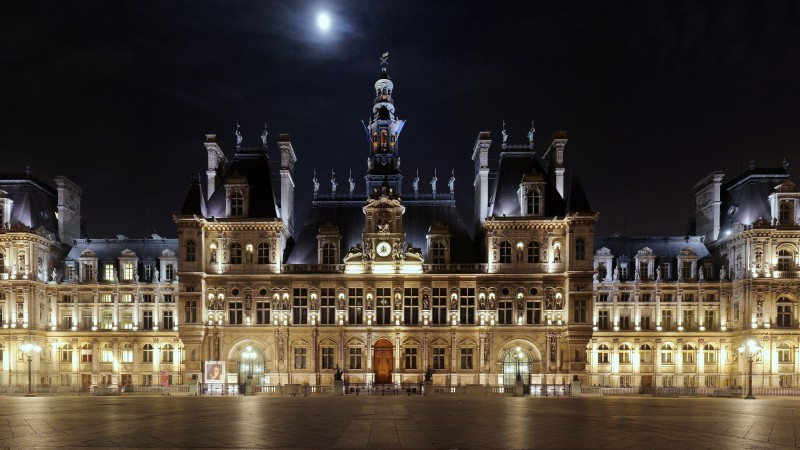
[[537, 201], [191, 251], [106, 354], [688, 354], [785, 214], [785, 353], [263, 253], [147, 353], [624, 354], [666, 354], [784, 317], [603, 354], [785, 260], [646, 354], [438, 253], [505, 252], [235, 253], [580, 249], [86, 353], [328, 253], [709, 354], [534, 252], [237, 203], [66, 353], [166, 353], [126, 352]]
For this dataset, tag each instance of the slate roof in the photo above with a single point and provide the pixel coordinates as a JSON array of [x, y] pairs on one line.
[[576, 198], [254, 166], [665, 249], [513, 166], [745, 198], [106, 249], [349, 218], [35, 203], [195, 202]]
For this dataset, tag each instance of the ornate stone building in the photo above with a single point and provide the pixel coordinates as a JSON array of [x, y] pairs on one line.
[[385, 279]]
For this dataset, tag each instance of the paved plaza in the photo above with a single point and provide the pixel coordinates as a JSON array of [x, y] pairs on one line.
[[397, 422]]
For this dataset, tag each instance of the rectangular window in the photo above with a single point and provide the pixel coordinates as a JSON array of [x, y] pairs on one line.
[[147, 320], [505, 310], [355, 308], [602, 298], [86, 354], [327, 313], [127, 298], [147, 298], [127, 319], [106, 355], [262, 312], [108, 319], [644, 270], [235, 313], [300, 306], [411, 306], [688, 298], [106, 298], [87, 320], [168, 298], [127, 355], [533, 312], [383, 306], [665, 271], [645, 297], [688, 319], [623, 271], [169, 272], [467, 310], [625, 297], [355, 358], [167, 320], [127, 271], [580, 309], [686, 270], [66, 354], [707, 271], [602, 320], [666, 298], [300, 358], [191, 311], [646, 323], [625, 323], [466, 358], [411, 358], [708, 320], [666, 319], [327, 358], [108, 272], [438, 358], [439, 306]]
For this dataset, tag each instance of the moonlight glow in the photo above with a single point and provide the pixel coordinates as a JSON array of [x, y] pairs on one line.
[[323, 21]]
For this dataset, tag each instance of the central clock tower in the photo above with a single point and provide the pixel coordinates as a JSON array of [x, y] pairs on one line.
[[383, 225]]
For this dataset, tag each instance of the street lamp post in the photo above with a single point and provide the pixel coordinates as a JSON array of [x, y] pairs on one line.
[[519, 358], [750, 349], [30, 350]]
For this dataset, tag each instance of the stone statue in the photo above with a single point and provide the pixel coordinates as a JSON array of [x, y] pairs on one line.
[[722, 273], [426, 302], [505, 133], [264, 136], [429, 374], [415, 183], [333, 182], [155, 276], [433, 182], [238, 136], [54, 275], [452, 183], [483, 302], [557, 254], [248, 302], [337, 376], [530, 135], [352, 183], [316, 183]]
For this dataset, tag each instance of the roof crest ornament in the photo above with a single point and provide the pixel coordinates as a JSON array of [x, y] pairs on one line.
[[352, 183], [433, 182], [333, 183], [530, 135], [415, 184], [264, 136], [452, 183], [505, 134], [385, 59], [316, 183]]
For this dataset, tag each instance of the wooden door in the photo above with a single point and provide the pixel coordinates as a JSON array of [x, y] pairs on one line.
[[383, 361], [647, 380], [86, 382]]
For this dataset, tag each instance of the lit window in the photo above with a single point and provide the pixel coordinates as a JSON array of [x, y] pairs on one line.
[[603, 354]]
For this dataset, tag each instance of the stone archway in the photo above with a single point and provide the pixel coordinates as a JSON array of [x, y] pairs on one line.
[[383, 361]]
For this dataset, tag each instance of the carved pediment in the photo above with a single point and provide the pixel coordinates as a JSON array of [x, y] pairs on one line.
[[605, 251], [167, 253]]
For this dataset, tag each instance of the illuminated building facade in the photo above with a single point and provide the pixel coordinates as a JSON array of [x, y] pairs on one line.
[[385, 279]]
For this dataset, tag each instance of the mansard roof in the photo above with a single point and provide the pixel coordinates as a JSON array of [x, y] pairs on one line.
[[35, 203], [419, 216], [512, 168], [195, 202], [254, 168], [111, 249], [745, 198], [576, 198], [663, 248]]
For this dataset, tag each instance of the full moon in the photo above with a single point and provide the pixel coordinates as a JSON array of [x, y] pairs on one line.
[[323, 21]]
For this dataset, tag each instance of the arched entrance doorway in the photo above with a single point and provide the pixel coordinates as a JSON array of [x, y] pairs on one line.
[[383, 361], [251, 365], [516, 365]]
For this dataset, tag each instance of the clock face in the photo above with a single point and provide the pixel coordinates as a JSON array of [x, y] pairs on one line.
[[383, 249]]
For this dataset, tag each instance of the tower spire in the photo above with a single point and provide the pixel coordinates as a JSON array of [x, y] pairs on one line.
[[383, 133]]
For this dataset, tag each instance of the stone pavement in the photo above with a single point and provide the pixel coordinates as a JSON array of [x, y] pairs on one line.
[[397, 422]]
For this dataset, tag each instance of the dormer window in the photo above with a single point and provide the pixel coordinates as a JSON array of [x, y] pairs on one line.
[[786, 213], [237, 203], [438, 253], [329, 253], [533, 201], [328, 244]]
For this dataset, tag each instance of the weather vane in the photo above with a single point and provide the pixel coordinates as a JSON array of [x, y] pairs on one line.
[[385, 59]]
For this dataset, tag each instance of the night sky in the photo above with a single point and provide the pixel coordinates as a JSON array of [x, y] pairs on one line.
[[117, 96]]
